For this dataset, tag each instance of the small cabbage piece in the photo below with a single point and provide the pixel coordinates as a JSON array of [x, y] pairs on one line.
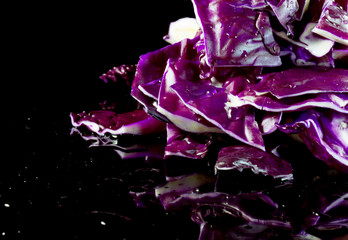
[[325, 133], [307, 54], [302, 8], [182, 28], [260, 162], [151, 89], [318, 46], [333, 22], [285, 11], [170, 105], [341, 53], [301, 57], [184, 144], [210, 103], [269, 122], [300, 81], [101, 122], [125, 72], [232, 33], [263, 26]]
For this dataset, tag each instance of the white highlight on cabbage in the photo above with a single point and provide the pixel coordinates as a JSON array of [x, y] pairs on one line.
[[181, 29], [318, 46]]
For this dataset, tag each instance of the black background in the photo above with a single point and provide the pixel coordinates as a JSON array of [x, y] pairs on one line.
[[59, 188], [52, 185]]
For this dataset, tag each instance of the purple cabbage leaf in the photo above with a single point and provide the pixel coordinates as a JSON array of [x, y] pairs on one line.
[[233, 36], [333, 22], [269, 122], [102, 122], [334, 101], [299, 81], [325, 133], [151, 67], [285, 11], [210, 103], [170, 105]]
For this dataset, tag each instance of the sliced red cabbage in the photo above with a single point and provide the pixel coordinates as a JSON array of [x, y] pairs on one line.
[[260, 162], [300, 81], [333, 22], [231, 36], [210, 103], [101, 122], [170, 105], [325, 133], [213, 83], [184, 144]]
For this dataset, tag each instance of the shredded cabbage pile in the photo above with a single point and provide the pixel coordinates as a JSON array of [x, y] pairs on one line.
[[240, 73]]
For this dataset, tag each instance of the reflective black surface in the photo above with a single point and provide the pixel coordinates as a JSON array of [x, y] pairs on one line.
[[60, 188]]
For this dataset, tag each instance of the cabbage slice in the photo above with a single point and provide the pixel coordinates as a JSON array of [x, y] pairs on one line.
[[151, 67], [300, 81], [210, 102], [231, 35], [333, 22], [102, 122], [170, 105], [325, 133]]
